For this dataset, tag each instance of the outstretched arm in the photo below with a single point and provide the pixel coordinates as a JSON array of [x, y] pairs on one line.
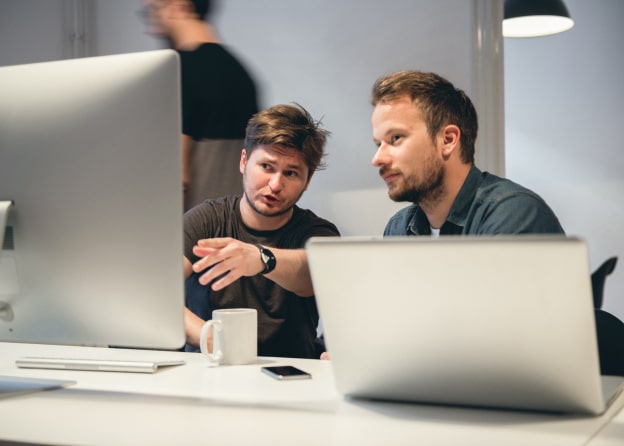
[[229, 259]]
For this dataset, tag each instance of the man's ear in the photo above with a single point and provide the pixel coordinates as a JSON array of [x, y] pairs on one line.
[[243, 161], [450, 140]]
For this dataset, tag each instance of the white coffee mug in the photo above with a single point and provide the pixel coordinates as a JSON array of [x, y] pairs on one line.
[[234, 338]]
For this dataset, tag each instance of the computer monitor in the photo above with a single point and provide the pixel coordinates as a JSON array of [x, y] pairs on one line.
[[90, 164]]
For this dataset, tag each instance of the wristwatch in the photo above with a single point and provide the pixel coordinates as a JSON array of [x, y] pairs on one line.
[[268, 259]]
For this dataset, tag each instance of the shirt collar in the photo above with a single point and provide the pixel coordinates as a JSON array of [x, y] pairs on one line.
[[461, 206], [456, 220]]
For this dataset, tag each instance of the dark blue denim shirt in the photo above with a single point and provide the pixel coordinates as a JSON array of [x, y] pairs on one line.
[[486, 205]]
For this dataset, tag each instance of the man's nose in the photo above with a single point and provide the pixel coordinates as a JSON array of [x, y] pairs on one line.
[[379, 158], [275, 183]]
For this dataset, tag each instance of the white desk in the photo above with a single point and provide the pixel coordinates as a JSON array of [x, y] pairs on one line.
[[239, 405]]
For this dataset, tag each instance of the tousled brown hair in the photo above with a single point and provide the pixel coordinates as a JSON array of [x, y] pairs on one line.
[[289, 126]]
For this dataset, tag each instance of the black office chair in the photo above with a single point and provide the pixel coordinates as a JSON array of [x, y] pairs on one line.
[[598, 278], [610, 334], [609, 329]]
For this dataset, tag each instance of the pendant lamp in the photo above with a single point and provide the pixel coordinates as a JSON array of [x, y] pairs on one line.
[[534, 18]]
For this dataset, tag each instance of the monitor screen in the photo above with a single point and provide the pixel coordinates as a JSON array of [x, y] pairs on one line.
[[91, 202]]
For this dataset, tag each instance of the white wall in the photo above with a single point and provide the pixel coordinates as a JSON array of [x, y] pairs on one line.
[[563, 111], [562, 92], [326, 54], [45, 37]]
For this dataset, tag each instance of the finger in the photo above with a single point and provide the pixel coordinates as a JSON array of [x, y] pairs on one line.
[[201, 250], [219, 268], [224, 281], [223, 274], [217, 243], [220, 278], [213, 273], [212, 251], [207, 258]]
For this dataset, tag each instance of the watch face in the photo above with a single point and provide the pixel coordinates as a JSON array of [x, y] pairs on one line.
[[268, 259]]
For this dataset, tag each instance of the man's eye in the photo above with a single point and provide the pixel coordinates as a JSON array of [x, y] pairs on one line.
[[291, 173], [395, 138]]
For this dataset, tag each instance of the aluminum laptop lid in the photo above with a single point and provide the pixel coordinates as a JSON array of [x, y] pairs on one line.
[[503, 322]]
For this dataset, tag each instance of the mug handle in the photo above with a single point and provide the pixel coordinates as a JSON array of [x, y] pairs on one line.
[[217, 356]]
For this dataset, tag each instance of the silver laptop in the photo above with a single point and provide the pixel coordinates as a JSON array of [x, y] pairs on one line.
[[502, 322]]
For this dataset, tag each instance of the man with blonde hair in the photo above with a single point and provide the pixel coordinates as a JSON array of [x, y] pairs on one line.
[[425, 131]]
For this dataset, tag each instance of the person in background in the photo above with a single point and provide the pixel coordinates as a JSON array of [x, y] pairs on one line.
[[248, 250], [219, 96], [425, 131]]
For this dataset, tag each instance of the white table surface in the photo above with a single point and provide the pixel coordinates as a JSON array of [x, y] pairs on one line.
[[239, 405], [612, 434]]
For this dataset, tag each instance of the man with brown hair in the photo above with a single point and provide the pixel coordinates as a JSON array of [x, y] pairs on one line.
[[425, 131], [248, 251]]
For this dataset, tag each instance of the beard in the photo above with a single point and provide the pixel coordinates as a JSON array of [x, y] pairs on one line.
[[272, 213], [427, 189]]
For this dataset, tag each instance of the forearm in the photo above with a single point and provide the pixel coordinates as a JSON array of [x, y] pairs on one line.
[[291, 271], [192, 327], [224, 260]]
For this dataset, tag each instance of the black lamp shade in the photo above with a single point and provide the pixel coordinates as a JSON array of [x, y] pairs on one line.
[[532, 18], [519, 8]]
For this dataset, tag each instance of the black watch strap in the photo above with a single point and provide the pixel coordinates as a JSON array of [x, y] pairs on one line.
[[268, 259]]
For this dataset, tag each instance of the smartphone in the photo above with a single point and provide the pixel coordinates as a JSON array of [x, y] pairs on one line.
[[286, 372]]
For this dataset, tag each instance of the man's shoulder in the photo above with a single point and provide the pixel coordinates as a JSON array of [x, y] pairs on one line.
[[493, 187], [399, 222], [306, 218], [211, 55], [214, 207], [406, 212], [226, 201], [202, 49], [504, 206]]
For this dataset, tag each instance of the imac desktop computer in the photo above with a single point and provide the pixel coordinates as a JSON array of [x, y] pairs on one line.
[[91, 202]]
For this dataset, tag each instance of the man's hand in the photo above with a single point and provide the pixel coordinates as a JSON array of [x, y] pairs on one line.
[[227, 260], [193, 325]]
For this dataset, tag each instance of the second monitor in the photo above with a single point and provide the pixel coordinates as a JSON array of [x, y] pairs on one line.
[[90, 176]]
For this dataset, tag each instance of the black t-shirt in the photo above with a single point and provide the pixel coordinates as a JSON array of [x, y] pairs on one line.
[[286, 322], [218, 94]]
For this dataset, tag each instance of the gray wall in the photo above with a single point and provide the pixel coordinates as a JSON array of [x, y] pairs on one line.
[[325, 55], [563, 111], [44, 39], [561, 92]]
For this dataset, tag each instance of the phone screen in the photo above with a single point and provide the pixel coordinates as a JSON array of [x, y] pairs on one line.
[[285, 372]]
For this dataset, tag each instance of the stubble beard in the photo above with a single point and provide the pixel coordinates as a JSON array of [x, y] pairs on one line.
[[426, 191], [276, 213]]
